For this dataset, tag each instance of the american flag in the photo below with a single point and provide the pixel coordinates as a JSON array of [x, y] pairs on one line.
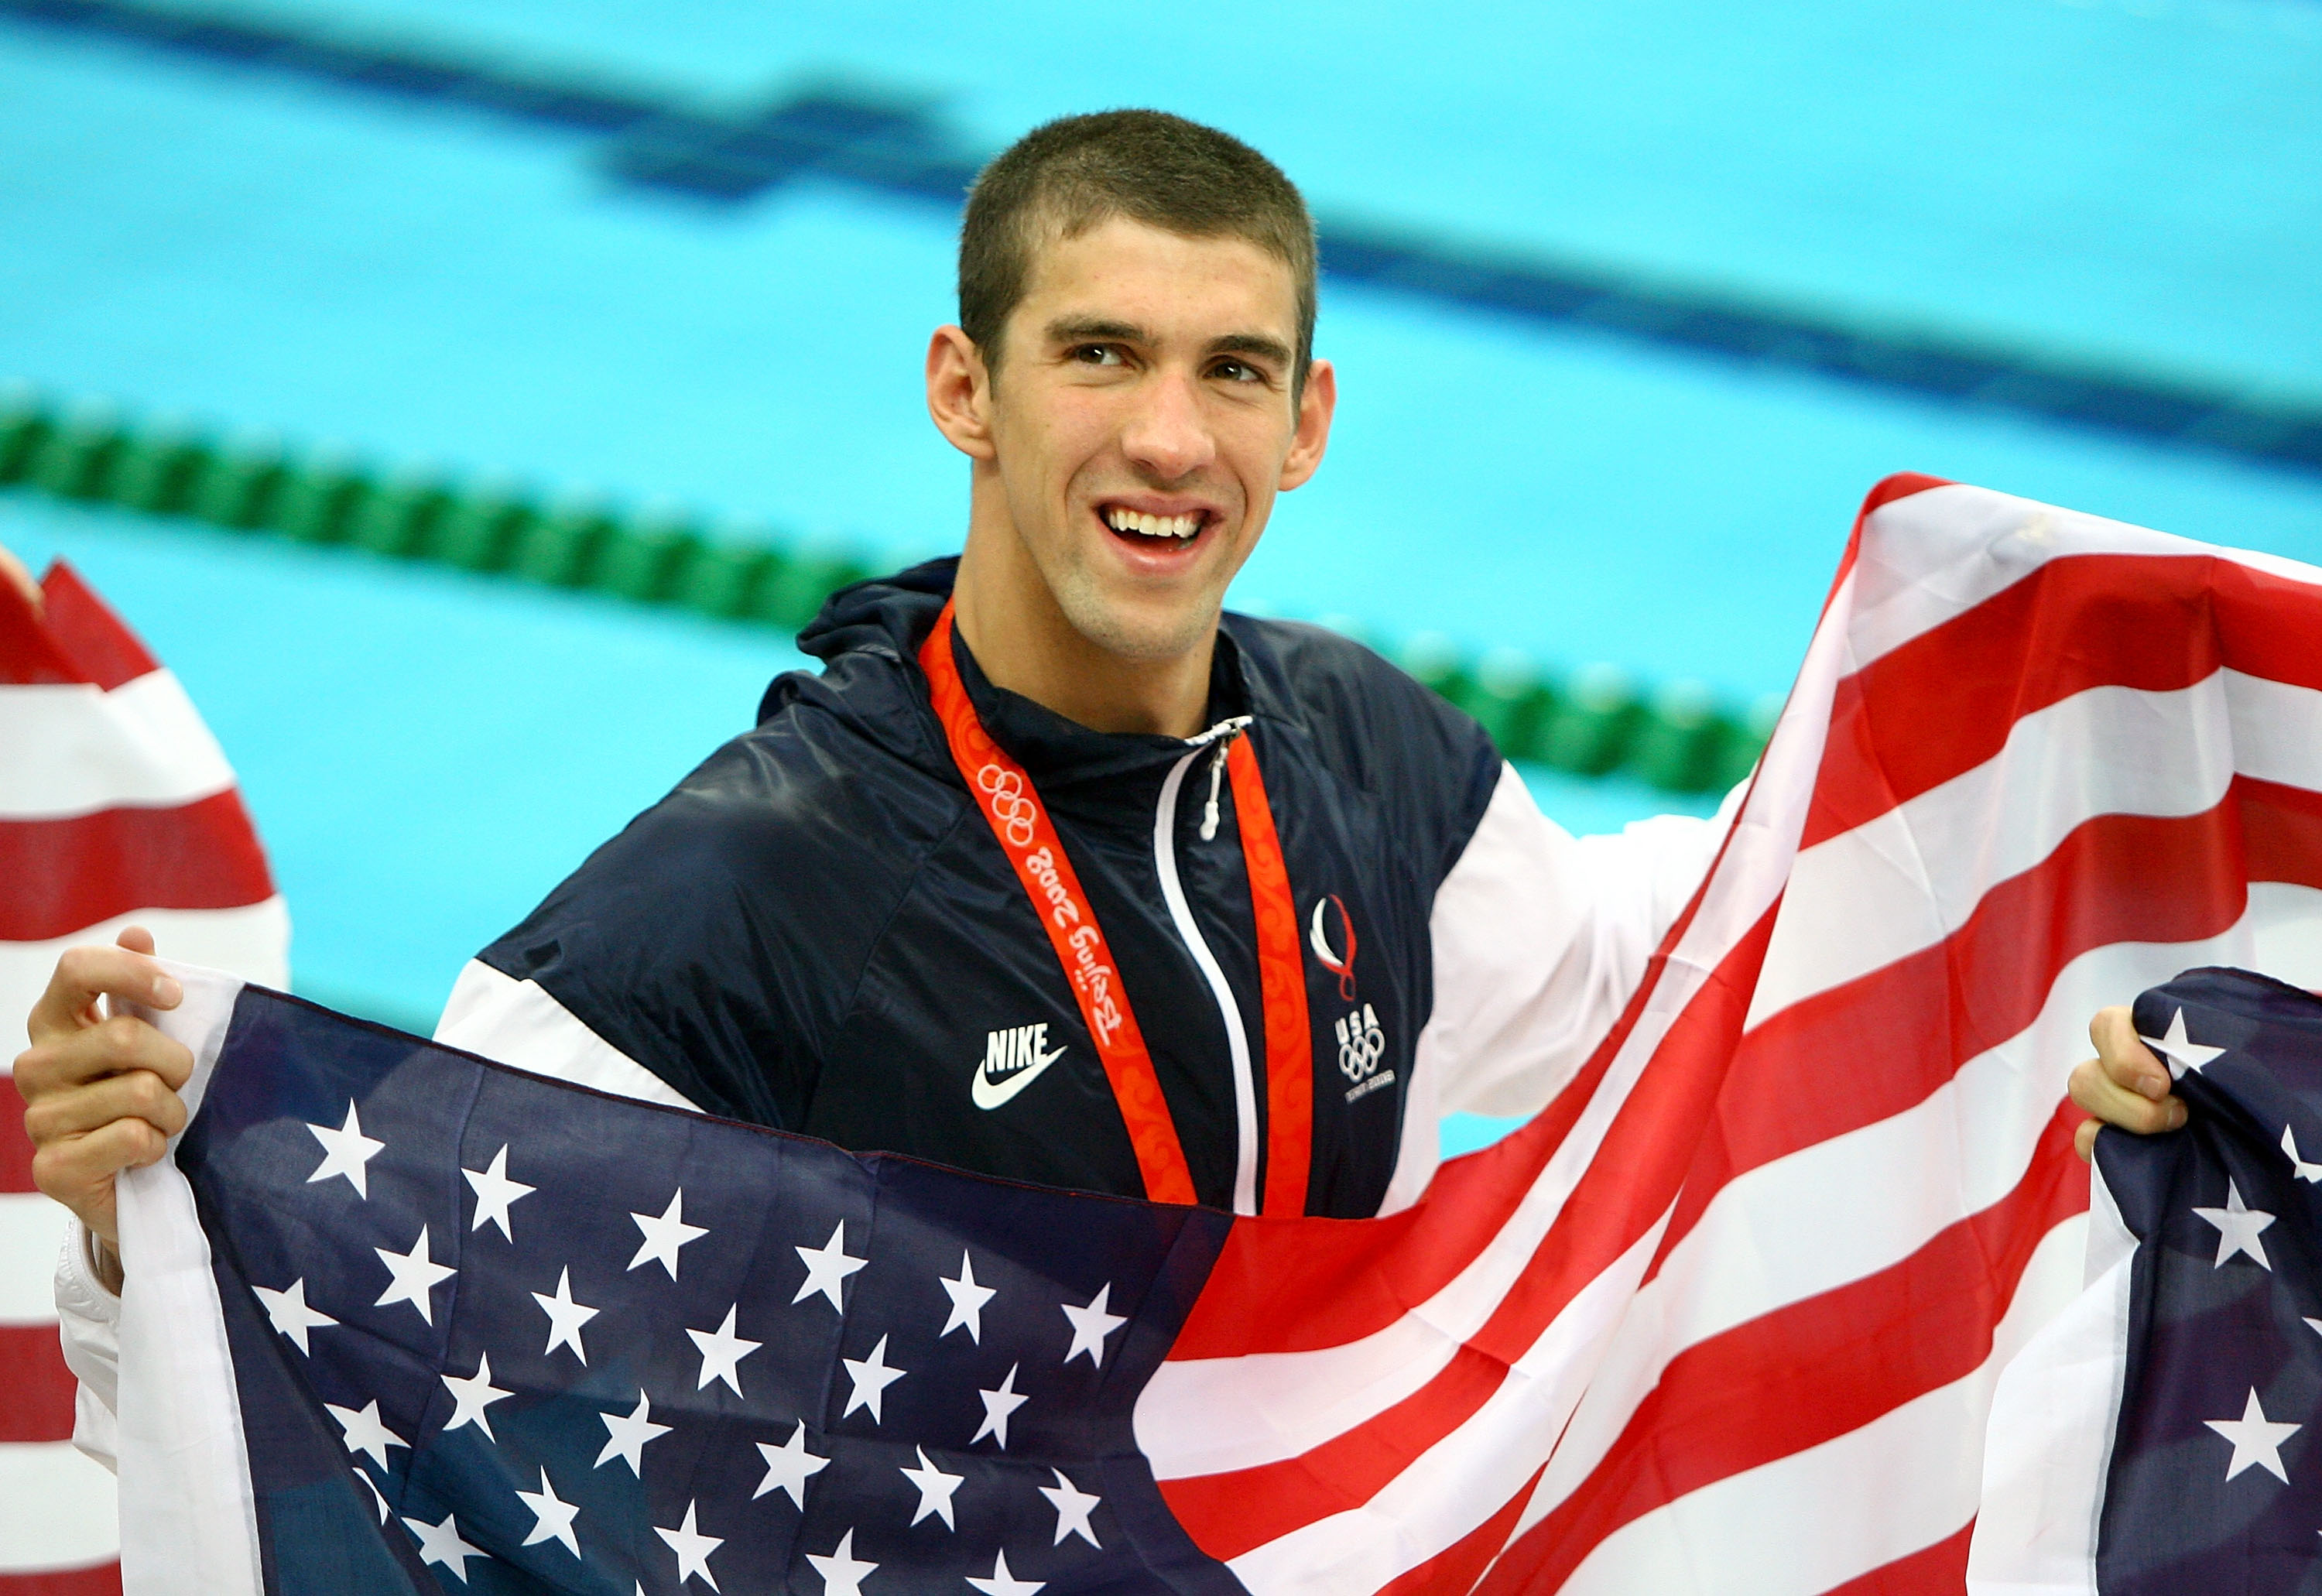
[[115, 806], [1725, 1317]]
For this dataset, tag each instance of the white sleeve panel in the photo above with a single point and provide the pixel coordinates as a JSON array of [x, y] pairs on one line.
[[1539, 937], [88, 1321], [518, 1023]]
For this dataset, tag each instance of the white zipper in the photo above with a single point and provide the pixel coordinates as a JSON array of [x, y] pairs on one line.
[[1164, 859]]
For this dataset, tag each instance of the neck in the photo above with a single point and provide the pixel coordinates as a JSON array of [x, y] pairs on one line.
[[1025, 643]]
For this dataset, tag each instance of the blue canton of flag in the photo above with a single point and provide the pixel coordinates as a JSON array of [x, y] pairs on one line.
[[492, 1333], [2214, 1480]]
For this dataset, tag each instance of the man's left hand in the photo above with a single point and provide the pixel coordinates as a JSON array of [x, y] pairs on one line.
[[2125, 1085]]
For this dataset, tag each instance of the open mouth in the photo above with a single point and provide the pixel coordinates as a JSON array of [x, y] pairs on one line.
[[1155, 533]]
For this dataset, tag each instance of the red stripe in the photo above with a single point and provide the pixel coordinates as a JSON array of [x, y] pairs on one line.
[[2117, 878], [1945, 702], [28, 656], [1939, 1570], [1457, 1568], [65, 875], [15, 1146], [1816, 1369], [102, 648], [36, 1391], [104, 1580]]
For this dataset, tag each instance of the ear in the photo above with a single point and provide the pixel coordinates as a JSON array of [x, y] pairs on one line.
[[1315, 407], [959, 392]]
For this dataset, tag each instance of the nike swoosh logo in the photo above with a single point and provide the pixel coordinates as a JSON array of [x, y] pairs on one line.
[[988, 1093]]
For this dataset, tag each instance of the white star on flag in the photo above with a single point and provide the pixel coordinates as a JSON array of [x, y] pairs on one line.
[[967, 1300], [288, 1312], [721, 1351], [692, 1549], [2238, 1227], [1092, 1325], [345, 1152], [365, 1432], [788, 1467], [2182, 1052], [370, 1485], [827, 1267], [934, 1488], [997, 1407], [2257, 1439], [1072, 1507], [565, 1316], [871, 1377], [2309, 1172], [552, 1520], [440, 1543], [471, 1396], [666, 1233], [494, 1191], [1003, 1583], [414, 1274], [625, 1436], [2315, 1326], [842, 1575]]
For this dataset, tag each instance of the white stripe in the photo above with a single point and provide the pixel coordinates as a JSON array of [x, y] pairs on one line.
[[56, 1509], [74, 749], [2048, 1444], [1818, 1518], [1208, 1416], [1164, 861], [1965, 1147], [518, 1023], [31, 1232], [253, 942], [1931, 556], [1906, 880]]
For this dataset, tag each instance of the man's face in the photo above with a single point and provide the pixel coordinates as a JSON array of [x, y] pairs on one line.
[[1142, 422]]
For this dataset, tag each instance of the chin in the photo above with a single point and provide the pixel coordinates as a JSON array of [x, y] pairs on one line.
[[1140, 631]]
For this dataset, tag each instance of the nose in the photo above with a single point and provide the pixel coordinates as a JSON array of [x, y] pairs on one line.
[[1168, 434]]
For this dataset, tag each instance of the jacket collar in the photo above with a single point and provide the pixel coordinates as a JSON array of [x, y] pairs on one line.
[[892, 616]]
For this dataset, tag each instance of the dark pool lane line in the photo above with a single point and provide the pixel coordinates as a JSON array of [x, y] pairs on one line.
[[855, 132]]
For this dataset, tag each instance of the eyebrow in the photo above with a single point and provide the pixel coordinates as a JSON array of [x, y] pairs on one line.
[[1096, 329]]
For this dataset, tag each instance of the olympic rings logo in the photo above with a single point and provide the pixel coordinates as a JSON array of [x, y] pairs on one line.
[[1012, 808], [1361, 1043]]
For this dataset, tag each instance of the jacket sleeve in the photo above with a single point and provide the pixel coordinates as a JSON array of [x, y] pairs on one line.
[[1539, 937], [514, 1022]]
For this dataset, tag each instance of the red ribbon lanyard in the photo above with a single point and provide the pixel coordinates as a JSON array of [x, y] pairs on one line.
[[1020, 822]]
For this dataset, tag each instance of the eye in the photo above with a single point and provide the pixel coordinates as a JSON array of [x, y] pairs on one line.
[[1234, 370], [1096, 354]]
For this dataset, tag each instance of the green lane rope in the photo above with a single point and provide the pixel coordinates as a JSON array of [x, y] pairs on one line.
[[1593, 722]]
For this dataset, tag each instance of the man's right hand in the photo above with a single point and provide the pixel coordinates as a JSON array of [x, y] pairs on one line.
[[101, 1095]]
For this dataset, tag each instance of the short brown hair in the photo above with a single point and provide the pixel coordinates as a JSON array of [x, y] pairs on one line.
[[1079, 171]]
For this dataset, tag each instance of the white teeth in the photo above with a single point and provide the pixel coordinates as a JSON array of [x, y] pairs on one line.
[[1176, 527]]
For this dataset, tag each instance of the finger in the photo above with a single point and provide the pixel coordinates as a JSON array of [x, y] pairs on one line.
[[135, 938], [80, 1173], [84, 974], [2095, 1091], [14, 573], [116, 1046], [139, 1094], [2127, 1060], [2084, 1140]]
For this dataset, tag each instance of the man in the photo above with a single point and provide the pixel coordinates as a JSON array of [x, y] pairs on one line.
[[1056, 872]]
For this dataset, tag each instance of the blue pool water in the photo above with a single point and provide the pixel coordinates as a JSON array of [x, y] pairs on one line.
[[2131, 188]]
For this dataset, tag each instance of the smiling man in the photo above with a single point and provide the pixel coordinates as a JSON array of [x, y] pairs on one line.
[[1057, 871]]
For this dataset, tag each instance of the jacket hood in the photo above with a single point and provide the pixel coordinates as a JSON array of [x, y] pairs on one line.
[[892, 612]]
